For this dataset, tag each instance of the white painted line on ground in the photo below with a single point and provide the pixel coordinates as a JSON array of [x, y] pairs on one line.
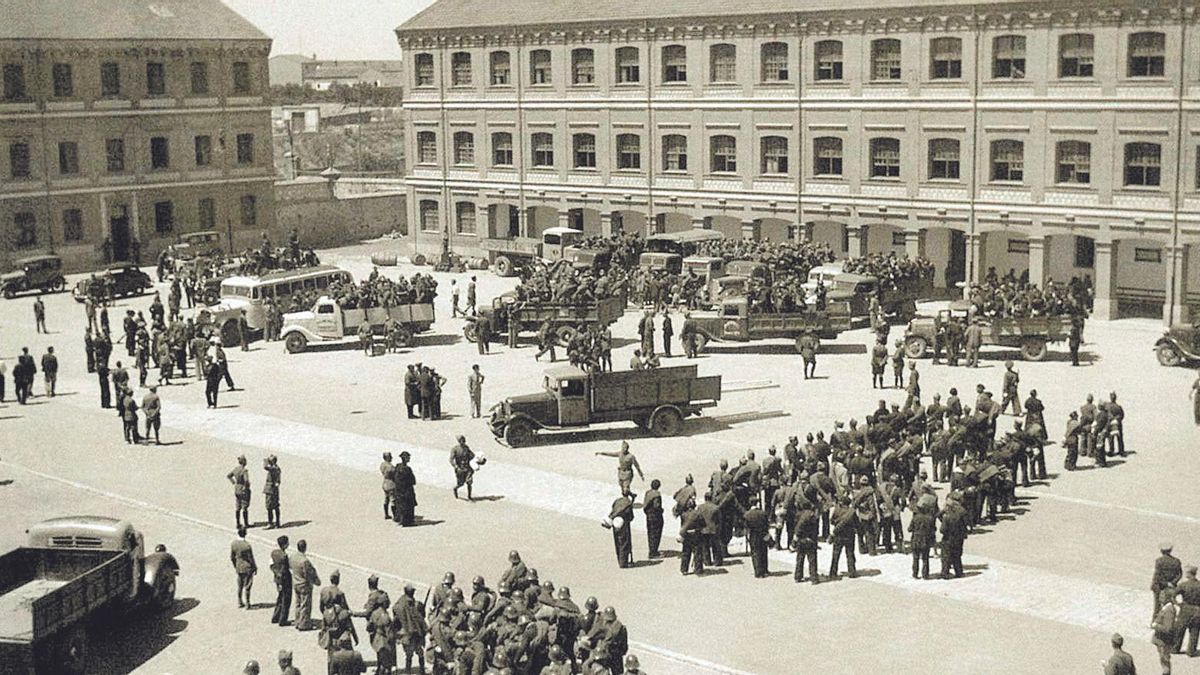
[[338, 563], [1120, 507]]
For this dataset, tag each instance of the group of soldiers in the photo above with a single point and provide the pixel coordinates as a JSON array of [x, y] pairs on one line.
[[1176, 611], [891, 270], [564, 285], [1017, 300], [589, 349], [423, 392], [376, 291], [1095, 431]]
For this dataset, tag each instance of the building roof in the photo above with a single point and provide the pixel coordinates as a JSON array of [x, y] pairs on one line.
[[447, 14], [124, 20], [294, 58], [348, 69]]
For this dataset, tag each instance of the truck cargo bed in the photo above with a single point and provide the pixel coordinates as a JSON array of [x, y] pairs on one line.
[[16, 607], [619, 391], [43, 590]]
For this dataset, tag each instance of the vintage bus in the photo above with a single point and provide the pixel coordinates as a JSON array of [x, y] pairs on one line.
[[250, 293]]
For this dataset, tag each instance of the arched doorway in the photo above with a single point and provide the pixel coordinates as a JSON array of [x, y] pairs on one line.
[[672, 222], [539, 218], [628, 221], [504, 221], [776, 230]]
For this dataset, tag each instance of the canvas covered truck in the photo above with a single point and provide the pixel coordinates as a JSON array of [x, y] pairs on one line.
[[328, 321], [73, 570], [658, 400], [1031, 335], [734, 321], [510, 317]]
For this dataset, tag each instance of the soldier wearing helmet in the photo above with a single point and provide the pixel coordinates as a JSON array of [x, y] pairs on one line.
[[516, 577]]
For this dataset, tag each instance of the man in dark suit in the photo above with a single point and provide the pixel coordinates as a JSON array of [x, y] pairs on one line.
[[1167, 572], [620, 518], [404, 510], [954, 534], [652, 508], [668, 331], [412, 390], [241, 555], [283, 582], [23, 375], [844, 529], [757, 533]]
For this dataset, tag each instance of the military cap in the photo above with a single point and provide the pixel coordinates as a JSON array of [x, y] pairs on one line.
[[1166, 547]]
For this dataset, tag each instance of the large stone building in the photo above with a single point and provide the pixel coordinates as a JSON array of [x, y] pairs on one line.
[[1055, 137], [124, 123]]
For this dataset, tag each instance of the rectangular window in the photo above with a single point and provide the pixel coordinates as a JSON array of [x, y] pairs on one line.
[[466, 214], [540, 69], [114, 154], [502, 149], [775, 62], [1008, 161], [156, 79], [427, 147], [199, 72], [1075, 55], [885, 59], [827, 156], [501, 70], [110, 79], [245, 148], [18, 160], [943, 159], [585, 151], [241, 78], [723, 64], [543, 150], [429, 216], [64, 80], [945, 59], [1147, 255], [1143, 164], [160, 153], [68, 158], [1074, 163], [1018, 246], [1147, 54], [724, 154], [423, 70], [629, 151], [774, 155], [72, 220], [164, 217], [829, 60], [675, 156], [206, 213], [628, 69], [14, 82], [674, 63], [203, 150], [460, 69], [1008, 57], [249, 210], [25, 226], [1085, 252], [464, 148], [885, 158]]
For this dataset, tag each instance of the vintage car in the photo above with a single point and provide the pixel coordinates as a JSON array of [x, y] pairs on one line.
[[127, 280], [194, 245], [42, 273], [1178, 346]]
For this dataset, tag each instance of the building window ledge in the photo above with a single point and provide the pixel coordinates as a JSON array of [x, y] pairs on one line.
[[676, 85], [828, 177], [776, 84], [585, 85], [724, 175], [888, 82], [831, 82], [942, 182], [1146, 79], [1007, 183], [885, 179], [629, 172], [774, 177], [584, 169], [1142, 189], [1079, 187], [674, 172]]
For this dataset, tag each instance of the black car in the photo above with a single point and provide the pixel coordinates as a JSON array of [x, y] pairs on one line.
[[126, 280], [42, 273]]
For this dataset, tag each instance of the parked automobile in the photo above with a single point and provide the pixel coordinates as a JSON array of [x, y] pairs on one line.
[[1179, 346], [42, 273], [127, 280]]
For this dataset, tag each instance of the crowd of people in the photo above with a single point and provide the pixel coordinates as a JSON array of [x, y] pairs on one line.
[[374, 291], [1011, 298], [564, 284], [892, 271]]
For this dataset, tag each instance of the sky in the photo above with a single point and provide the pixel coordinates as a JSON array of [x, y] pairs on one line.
[[332, 29]]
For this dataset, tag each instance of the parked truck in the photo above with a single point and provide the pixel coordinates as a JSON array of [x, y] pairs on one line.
[[1179, 346], [666, 251], [510, 317], [733, 320], [509, 256], [658, 400], [73, 571], [1031, 334], [328, 321]]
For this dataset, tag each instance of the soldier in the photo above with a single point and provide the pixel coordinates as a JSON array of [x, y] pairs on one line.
[[954, 533], [285, 663], [1011, 379], [387, 469], [464, 474], [757, 537], [412, 628], [891, 506], [1116, 414], [271, 491], [1165, 626], [806, 536], [152, 407], [239, 477], [332, 595], [130, 416], [283, 582], [772, 476], [412, 390], [1076, 338], [345, 660], [620, 520], [1087, 415], [404, 511], [1167, 572], [652, 508], [243, 335], [973, 337], [1120, 663], [923, 527], [808, 352], [39, 315], [646, 331], [914, 387], [1071, 441], [691, 533], [382, 632], [364, 337], [668, 331], [516, 577], [688, 335], [1098, 443], [475, 390], [879, 357], [844, 530], [898, 365], [213, 376], [241, 555], [1189, 613], [626, 464]]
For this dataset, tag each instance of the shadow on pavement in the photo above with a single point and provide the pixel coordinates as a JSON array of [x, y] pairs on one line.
[[123, 646]]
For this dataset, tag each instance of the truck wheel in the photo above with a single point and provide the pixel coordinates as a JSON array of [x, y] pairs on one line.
[[1168, 355], [295, 343], [71, 653], [471, 331], [209, 298], [164, 591], [503, 266], [1034, 349], [229, 334], [915, 347], [518, 433], [566, 334], [407, 339], [701, 342], [666, 422]]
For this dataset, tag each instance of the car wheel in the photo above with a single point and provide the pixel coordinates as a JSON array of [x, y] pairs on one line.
[[471, 331], [60, 285], [164, 591], [666, 422], [915, 347], [518, 433], [295, 343], [1034, 349], [1168, 355], [8, 293]]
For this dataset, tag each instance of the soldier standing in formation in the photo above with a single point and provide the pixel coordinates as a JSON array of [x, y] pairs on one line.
[[758, 535], [239, 477], [404, 510], [412, 626], [271, 491], [283, 582], [152, 408], [620, 520]]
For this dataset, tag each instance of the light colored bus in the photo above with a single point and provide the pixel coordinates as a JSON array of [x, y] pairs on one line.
[[250, 293]]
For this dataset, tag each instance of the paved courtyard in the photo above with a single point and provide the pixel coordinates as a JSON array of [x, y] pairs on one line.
[[1045, 589]]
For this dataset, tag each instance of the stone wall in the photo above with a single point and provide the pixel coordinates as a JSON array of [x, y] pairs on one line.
[[336, 213]]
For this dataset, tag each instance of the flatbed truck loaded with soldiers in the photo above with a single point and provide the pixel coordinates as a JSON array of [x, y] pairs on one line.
[[329, 321], [510, 316], [737, 320], [942, 332], [657, 400]]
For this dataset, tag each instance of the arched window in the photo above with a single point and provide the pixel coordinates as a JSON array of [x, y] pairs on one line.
[[674, 59], [675, 152], [945, 58], [827, 156], [1008, 57], [723, 154], [583, 66], [885, 158], [774, 155], [542, 146], [629, 69], [1008, 160], [885, 59], [464, 218], [502, 149], [943, 159], [460, 69], [629, 151], [828, 57], [775, 62], [501, 72], [722, 63], [540, 67], [1147, 54], [584, 150], [464, 147], [423, 69], [427, 147]]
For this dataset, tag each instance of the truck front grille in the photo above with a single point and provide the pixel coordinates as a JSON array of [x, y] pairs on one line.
[[75, 542]]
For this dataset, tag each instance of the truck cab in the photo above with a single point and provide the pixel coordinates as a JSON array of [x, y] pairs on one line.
[[569, 387], [556, 241], [710, 270], [822, 274]]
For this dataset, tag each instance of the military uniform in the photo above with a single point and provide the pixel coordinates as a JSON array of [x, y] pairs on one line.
[[240, 478], [404, 511], [1189, 615], [387, 469], [241, 555], [271, 492], [757, 534], [283, 586], [652, 509], [844, 529], [460, 459], [1167, 572], [622, 508]]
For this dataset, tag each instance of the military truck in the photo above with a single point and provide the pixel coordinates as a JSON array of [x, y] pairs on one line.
[[511, 317], [667, 251], [658, 400], [734, 321], [72, 571], [510, 256], [1178, 347], [328, 321], [1031, 334]]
